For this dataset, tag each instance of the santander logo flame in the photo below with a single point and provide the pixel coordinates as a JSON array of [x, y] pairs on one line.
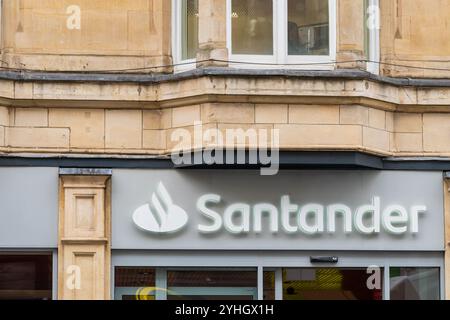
[[161, 215]]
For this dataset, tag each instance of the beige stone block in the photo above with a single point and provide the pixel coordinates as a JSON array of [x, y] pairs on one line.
[[7, 88], [31, 117], [185, 116], [157, 119], [250, 135], [166, 118], [154, 139], [20, 137], [409, 142], [408, 122], [152, 119], [23, 90], [316, 114], [92, 261], [87, 126], [390, 121], [351, 22], [4, 116], [192, 137], [2, 136], [436, 132], [123, 129], [392, 144], [376, 139], [354, 114], [271, 113], [377, 119], [228, 113], [297, 136]]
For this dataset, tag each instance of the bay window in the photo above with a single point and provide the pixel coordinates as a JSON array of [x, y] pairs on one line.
[[295, 32], [265, 33]]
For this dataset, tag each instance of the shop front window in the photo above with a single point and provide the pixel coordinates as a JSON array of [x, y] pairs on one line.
[[269, 285], [414, 283], [142, 283], [25, 277], [327, 284], [290, 283], [135, 283], [212, 285]]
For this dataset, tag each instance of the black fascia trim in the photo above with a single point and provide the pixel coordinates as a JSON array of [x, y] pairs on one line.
[[288, 160], [419, 165], [94, 163], [305, 159]]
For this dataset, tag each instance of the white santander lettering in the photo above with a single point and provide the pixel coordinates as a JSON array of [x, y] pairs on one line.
[[309, 219], [210, 214]]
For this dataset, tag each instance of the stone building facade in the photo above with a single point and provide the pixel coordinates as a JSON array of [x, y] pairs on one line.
[[87, 84]]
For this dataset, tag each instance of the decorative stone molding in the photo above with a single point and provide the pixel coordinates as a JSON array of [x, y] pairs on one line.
[[84, 238]]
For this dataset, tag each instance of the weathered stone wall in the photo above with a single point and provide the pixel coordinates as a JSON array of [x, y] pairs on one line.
[[302, 127], [114, 34], [133, 34], [415, 33]]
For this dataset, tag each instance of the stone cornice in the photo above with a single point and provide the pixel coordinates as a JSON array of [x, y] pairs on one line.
[[28, 89]]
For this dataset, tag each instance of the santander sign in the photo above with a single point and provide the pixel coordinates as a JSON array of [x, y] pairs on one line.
[[161, 215]]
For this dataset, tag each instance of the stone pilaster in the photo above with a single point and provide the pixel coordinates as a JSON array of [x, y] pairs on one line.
[[84, 238], [350, 33], [212, 35]]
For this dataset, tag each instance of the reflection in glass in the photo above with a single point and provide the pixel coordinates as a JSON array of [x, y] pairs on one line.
[[189, 29], [25, 277], [414, 283], [327, 284], [212, 285], [308, 27], [134, 283], [269, 285], [252, 27]]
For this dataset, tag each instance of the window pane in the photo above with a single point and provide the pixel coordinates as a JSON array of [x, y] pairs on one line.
[[134, 283], [414, 283], [212, 285], [189, 29], [26, 277], [328, 284], [252, 27], [269, 285], [308, 27]]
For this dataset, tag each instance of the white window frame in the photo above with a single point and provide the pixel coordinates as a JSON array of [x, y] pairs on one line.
[[177, 38], [280, 58], [373, 65]]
